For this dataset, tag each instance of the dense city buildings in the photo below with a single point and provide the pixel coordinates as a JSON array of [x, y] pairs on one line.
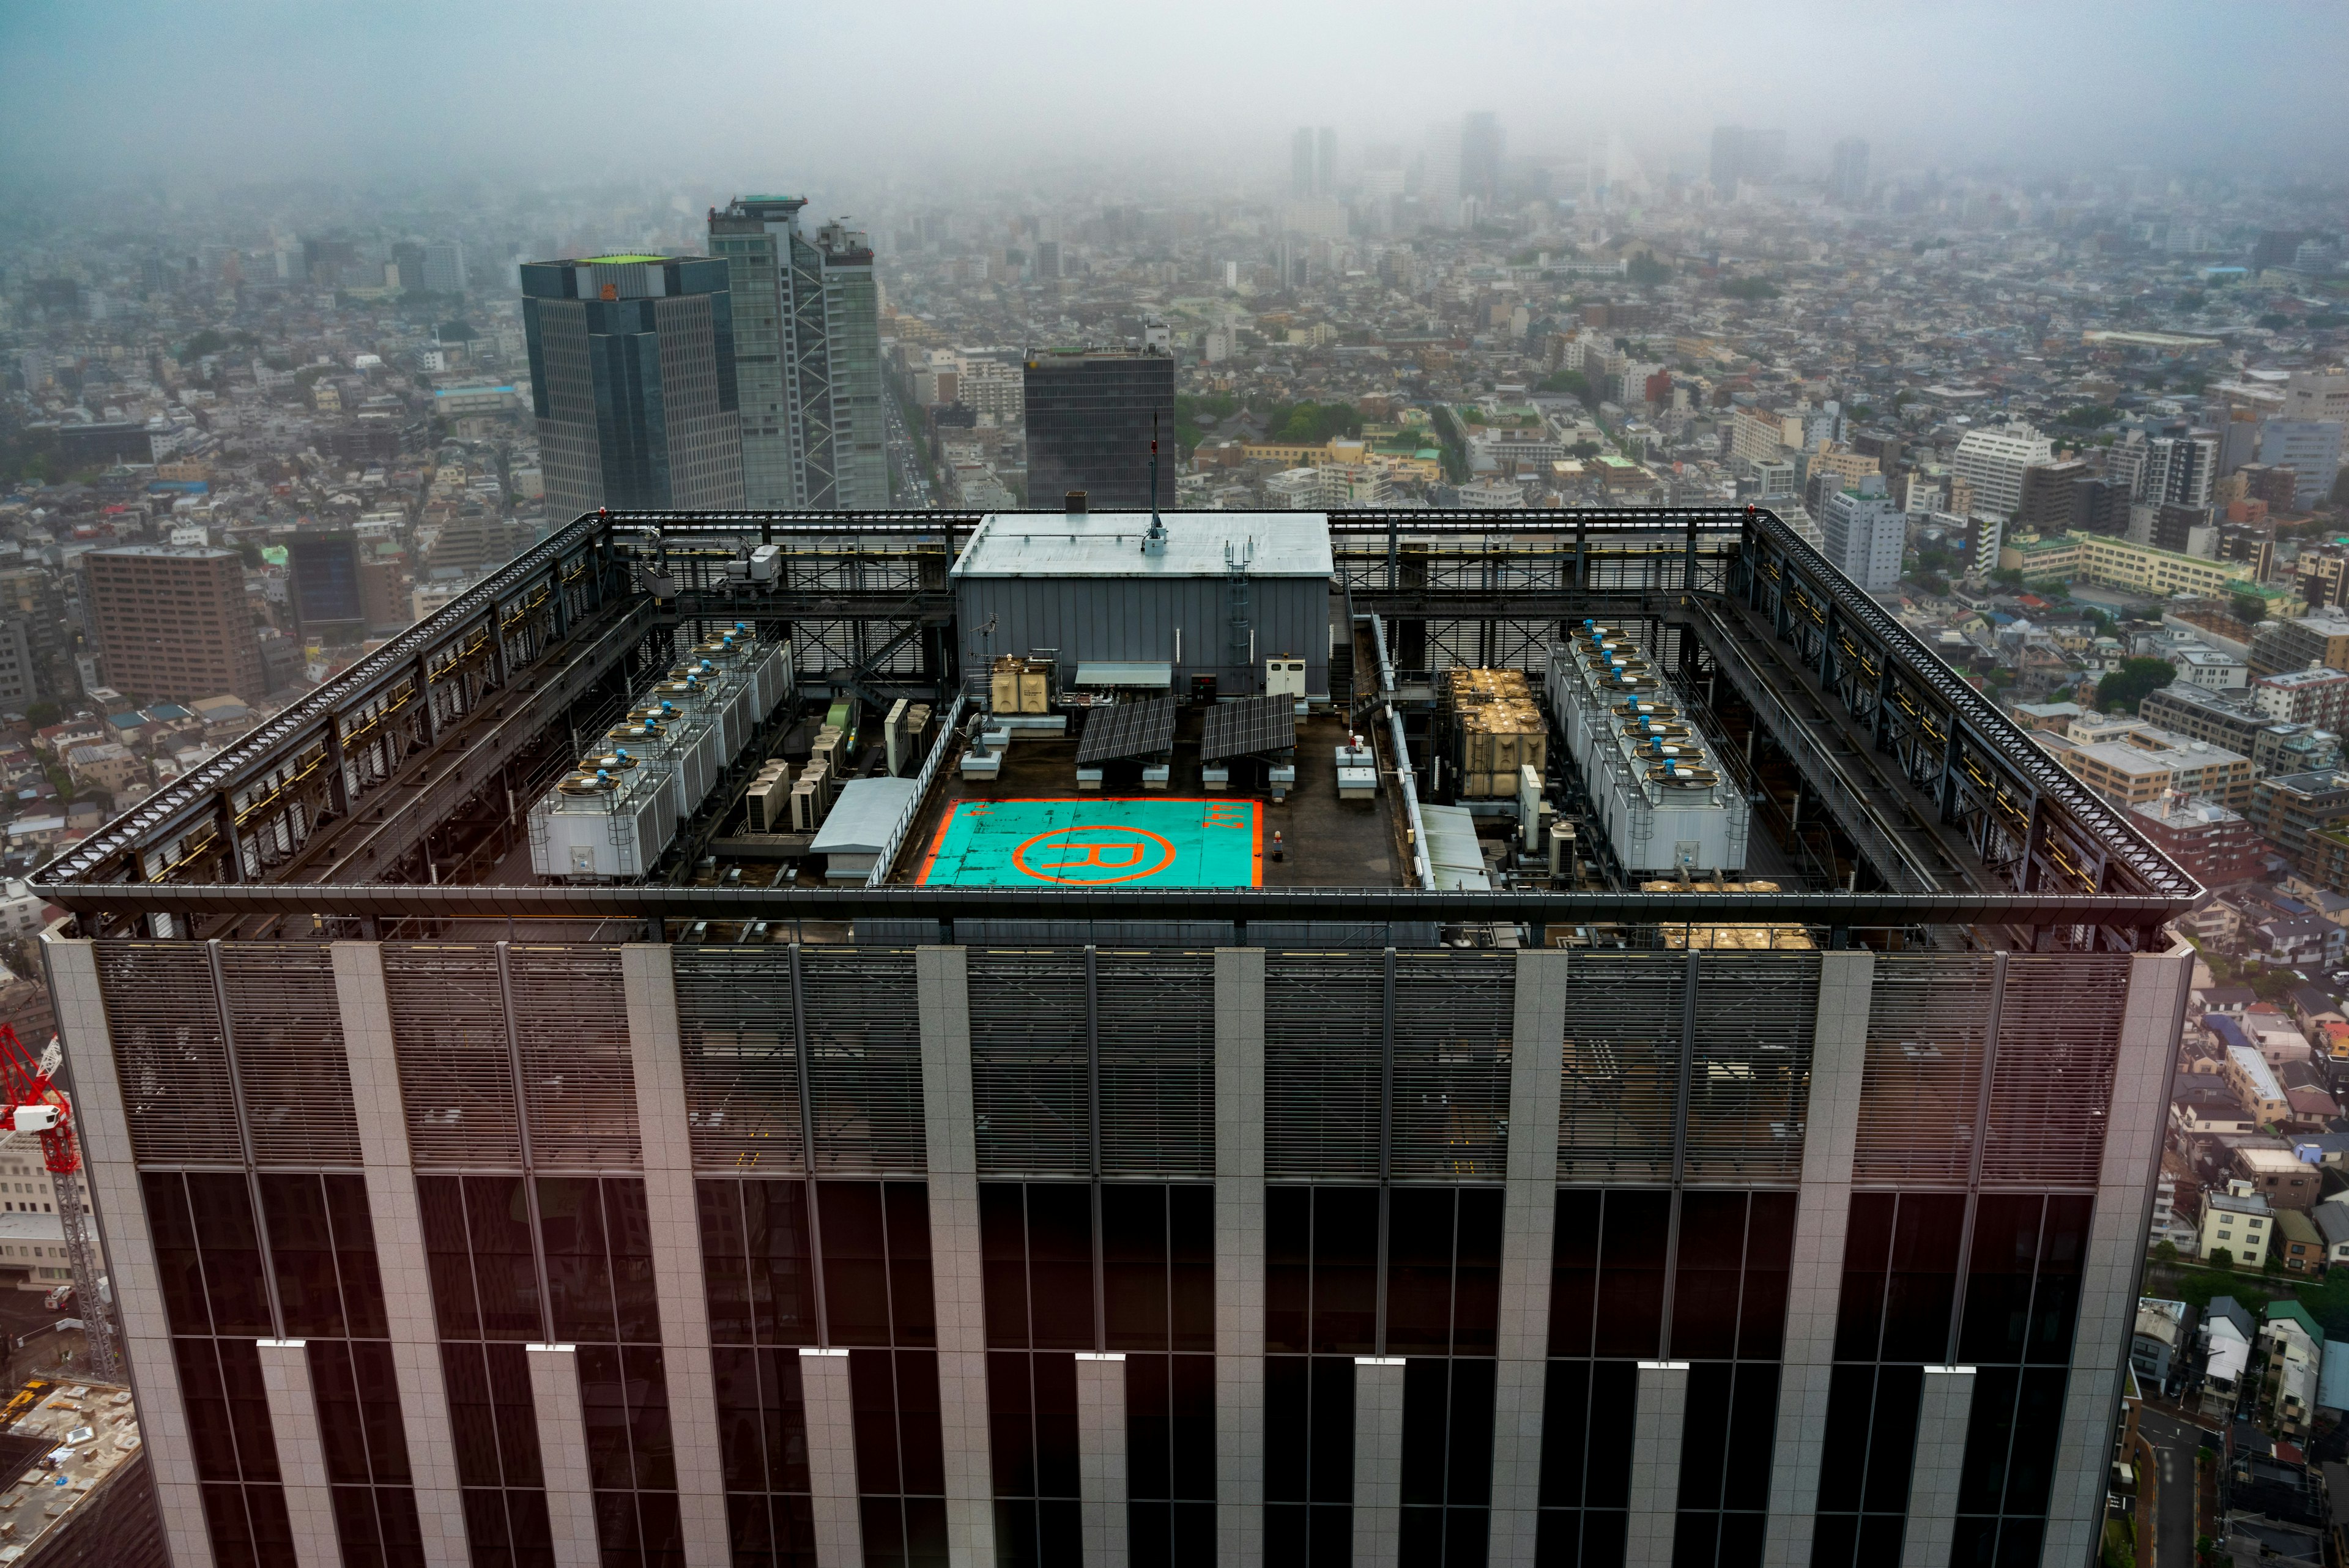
[[1093, 417], [633, 381]]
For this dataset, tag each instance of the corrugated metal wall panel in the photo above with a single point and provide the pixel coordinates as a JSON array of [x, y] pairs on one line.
[[864, 1034], [169, 1052], [288, 1030], [456, 1065], [578, 1079], [2050, 1080], [738, 1035], [1920, 1088], [1095, 619], [1749, 1085], [1157, 1033], [1454, 1014], [1029, 1075], [1323, 1019], [1621, 1071]]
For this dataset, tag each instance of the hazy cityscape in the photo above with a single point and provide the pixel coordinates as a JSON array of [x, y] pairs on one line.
[[1799, 642]]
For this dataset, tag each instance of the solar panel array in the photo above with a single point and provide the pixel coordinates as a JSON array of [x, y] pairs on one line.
[[1127, 729], [1249, 725]]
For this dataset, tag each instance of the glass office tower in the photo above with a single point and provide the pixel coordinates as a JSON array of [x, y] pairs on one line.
[[632, 378], [1089, 424], [814, 426]]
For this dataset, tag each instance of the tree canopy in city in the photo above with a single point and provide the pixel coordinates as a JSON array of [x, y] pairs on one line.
[[2121, 690]]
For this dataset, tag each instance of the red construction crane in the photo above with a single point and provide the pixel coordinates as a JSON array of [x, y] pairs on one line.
[[33, 1104]]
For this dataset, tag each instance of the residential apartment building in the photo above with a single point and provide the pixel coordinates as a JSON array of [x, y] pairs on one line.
[[2047, 499], [2288, 808], [2315, 696], [2241, 1222], [1993, 462], [2310, 449], [2216, 846], [172, 621], [2140, 764], [2312, 641], [1865, 534]]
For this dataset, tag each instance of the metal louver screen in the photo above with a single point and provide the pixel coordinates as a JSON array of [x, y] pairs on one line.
[[864, 1027], [736, 1033], [1155, 1034], [2051, 1081], [1749, 1083], [1454, 1014], [288, 1032], [1921, 1087], [1323, 1019], [1029, 1072], [168, 1053], [456, 1065], [578, 1082], [1621, 1082]]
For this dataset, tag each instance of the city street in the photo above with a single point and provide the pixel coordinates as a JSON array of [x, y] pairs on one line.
[[2172, 1518]]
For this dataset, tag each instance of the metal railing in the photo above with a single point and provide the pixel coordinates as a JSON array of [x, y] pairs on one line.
[[907, 819]]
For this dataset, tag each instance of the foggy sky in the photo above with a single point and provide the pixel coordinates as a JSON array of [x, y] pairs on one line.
[[221, 92]]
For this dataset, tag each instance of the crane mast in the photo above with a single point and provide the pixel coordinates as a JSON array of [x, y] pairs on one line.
[[36, 1104]]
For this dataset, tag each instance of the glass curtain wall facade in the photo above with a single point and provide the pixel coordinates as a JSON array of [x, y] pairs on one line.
[[814, 421], [1088, 425], [900, 1257]]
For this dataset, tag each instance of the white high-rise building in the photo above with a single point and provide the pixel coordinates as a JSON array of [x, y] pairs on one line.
[[1992, 462], [2310, 449], [2181, 470], [1865, 534]]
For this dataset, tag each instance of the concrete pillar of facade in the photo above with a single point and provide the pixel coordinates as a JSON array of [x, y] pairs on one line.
[[121, 1210], [1101, 1457], [398, 1224], [1378, 1461], [300, 1453], [2152, 1017], [1823, 1208], [1659, 1407], [1239, 1257], [1528, 1226], [951, 1130], [679, 1284], [1942, 1411], [562, 1454], [831, 1458]]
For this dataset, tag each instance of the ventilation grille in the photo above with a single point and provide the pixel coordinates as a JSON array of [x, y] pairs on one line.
[[1028, 1064], [1322, 1023], [455, 1070], [1749, 1084], [168, 1053], [1621, 1072], [735, 1033], [1157, 1038], [1453, 1017], [289, 1053], [865, 1061], [579, 1083], [2051, 1082], [1921, 1087]]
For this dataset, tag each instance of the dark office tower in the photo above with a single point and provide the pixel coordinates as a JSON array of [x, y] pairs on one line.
[[324, 261], [631, 378], [1089, 419], [1728, 158], [808, 346], [2046, 503], [409, 257], [1300, 162], [1480, 156], [1739, 153], [324, 571], [2099, 505], [1848, 185], [1325, 162], [2173, 526], [1048, 259], [2276, 247]]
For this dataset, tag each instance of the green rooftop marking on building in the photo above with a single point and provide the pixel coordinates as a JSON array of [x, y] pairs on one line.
[[1098, 841]]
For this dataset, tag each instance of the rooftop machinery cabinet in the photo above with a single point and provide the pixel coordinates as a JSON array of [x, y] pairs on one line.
[[610, 821], [770, 796], [1667, 804], [684, 708], [666, 748]]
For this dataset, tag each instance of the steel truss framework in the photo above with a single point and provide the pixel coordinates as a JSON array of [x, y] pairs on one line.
[[455, 702]]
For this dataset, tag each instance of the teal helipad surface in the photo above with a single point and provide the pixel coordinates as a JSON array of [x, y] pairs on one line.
[[1097, 841]]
